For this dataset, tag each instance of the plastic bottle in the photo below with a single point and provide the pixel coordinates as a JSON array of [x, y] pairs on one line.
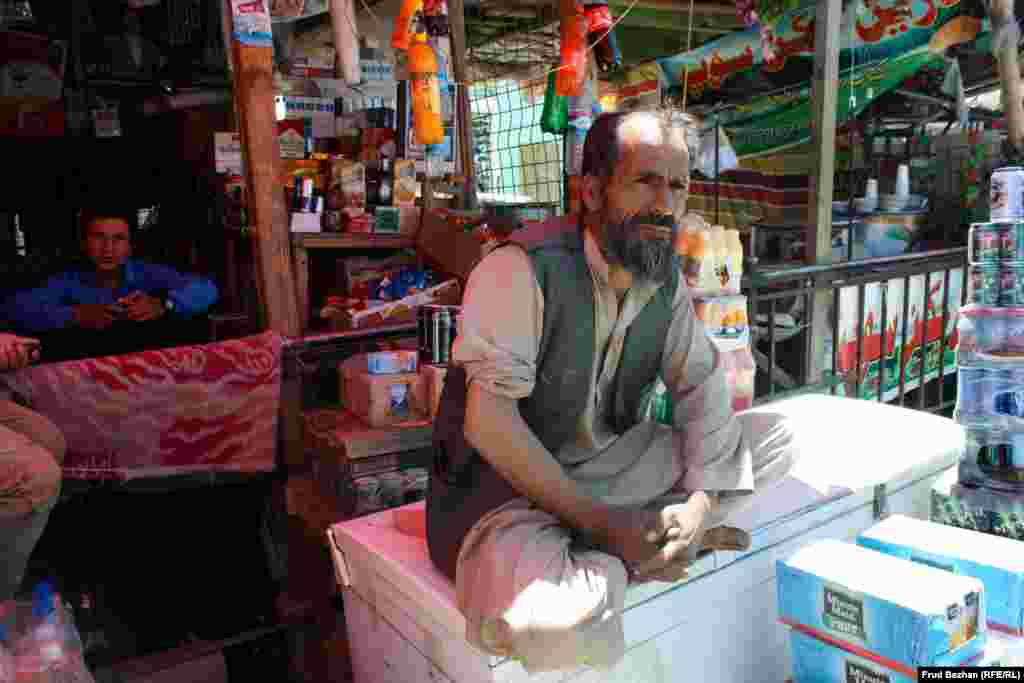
[[734, 260], [720, 267], [581, 118], [572, 70], [400, 37], [426, 93], [554, 119]]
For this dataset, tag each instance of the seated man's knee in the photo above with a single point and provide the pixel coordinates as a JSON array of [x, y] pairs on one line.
[[29, 482], [51, 438], [46, 480]]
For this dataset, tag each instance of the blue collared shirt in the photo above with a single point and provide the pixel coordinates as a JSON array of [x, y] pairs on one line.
[[50, 307]]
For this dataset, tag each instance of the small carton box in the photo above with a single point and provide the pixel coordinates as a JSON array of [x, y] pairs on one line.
[[227, 153], [346, 190], [392, 362], [905, 613], [380, 400], [814, 660], [406, 186], [997, 562]]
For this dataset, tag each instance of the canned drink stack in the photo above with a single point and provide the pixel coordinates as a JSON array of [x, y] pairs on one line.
[[1011, 241], [437, 328], [984, 284], [986, 242]]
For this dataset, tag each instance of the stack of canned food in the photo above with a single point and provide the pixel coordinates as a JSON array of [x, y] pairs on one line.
[[996, 254], [990, 352], [385, 490]]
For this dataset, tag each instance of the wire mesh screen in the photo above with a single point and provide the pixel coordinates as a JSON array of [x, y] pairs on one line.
[[517, 164]]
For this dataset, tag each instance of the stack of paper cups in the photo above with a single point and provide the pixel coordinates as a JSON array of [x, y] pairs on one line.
[[903, 181]]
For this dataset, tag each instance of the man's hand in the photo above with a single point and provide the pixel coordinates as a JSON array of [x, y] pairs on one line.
[[666, 537], [94, 316], [17, 352], [141, 307]]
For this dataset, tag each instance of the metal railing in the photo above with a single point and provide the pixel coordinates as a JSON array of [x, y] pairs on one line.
[[908, 360]]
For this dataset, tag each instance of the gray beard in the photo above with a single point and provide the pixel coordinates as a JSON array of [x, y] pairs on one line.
[[647, 260]]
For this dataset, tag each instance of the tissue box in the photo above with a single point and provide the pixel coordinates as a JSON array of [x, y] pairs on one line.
[[816, 661], [997, 562], [900, 612]]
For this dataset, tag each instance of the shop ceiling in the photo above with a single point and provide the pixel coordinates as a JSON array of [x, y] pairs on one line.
[[515, 38]]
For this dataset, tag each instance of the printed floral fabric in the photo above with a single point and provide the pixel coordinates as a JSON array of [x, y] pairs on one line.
[[189, 409]]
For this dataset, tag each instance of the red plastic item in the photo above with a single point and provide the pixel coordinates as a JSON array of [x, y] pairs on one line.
[[572, 70], [426, 93], [402, 34]]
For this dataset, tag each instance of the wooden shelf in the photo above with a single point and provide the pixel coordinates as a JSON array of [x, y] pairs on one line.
[[351, 241]]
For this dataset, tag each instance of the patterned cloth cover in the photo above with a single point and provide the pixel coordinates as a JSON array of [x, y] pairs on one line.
[[183, 410]]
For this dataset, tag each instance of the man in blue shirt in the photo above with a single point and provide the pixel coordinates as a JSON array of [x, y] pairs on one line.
[[119, 293]]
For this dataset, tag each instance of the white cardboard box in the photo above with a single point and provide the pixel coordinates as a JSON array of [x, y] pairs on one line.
[[720, 626]]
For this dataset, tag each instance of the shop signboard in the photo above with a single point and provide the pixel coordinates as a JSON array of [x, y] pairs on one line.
[[890, 354]]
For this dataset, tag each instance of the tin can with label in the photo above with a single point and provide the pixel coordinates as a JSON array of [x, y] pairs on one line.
[[986, 240], [984, 284], [1006, 194], [437, 328], [1011, 241], [1011, 283]]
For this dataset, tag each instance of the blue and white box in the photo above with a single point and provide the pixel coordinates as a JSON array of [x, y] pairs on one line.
[[818, 662], [995, 561], [903, 613]]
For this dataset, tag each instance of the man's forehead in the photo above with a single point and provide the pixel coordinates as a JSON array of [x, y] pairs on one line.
[[645, 141], [109, 225]]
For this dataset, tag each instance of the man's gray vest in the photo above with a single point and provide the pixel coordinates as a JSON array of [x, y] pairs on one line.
[[464, 487]]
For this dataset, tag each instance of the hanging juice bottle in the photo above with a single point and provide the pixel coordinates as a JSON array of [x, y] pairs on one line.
[[402, 34], [572, 70], [426, 93], [734, 261]]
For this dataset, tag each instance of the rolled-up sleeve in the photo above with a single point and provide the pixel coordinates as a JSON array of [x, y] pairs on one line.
[[500, 326], [708, 436]]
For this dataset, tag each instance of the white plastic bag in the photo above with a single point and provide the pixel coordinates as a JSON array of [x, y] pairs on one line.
[[705, 160]]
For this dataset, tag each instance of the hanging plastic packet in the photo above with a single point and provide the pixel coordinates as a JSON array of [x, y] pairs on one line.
[[601, 34], [572, 71], [727, 159], [554, 119], [435, 17], [402, 35]]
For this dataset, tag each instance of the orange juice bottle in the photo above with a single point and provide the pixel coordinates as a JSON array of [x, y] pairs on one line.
[[400, 36], [426, 93], [573, 67]]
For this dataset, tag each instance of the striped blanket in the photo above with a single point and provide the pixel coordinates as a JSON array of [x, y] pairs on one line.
[[771, 189], [184, 410]]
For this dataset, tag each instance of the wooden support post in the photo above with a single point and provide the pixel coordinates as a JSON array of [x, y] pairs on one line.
[[464, 116], [254, 98], [824, 96]]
